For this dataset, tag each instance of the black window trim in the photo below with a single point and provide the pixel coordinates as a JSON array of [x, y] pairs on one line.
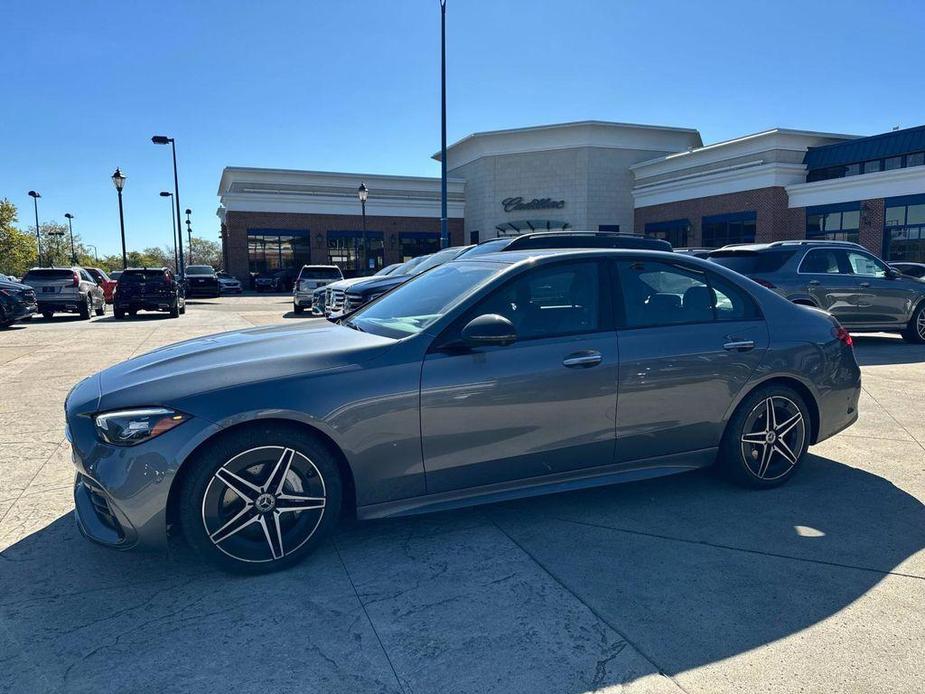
[[620, 317]]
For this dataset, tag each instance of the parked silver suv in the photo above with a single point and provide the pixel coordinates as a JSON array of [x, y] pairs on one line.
[[845, 279], [65, 290]]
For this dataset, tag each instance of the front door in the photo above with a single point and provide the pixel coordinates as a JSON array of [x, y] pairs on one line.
[[542, 405], [882, 298], [689, 342]]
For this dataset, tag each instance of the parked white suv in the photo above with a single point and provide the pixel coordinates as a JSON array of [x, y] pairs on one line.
[[65, 290], [310, 278]]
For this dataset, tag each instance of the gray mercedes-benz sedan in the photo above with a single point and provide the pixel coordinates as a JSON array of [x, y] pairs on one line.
[[507, 375]]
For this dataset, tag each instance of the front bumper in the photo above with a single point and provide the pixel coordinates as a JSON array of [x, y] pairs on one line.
[[17, 310], [121, 493]]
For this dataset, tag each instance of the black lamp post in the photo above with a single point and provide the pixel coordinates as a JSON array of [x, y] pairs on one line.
[[118, 180], [444, 232], [164, 140], [70, 226], [38, 239], [57, 234], [96, 253], [363, 194], [189, 233], [173, 230]]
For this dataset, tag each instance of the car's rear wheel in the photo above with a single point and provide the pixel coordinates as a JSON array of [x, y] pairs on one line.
[[915, 331], [47, 314], [101, 311], [296, 308], [175, 311], [86, 308], [261, 499], [766, 438], [118, 313]]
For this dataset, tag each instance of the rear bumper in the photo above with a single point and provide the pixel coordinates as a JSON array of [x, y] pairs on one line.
[[67, 305], [145, 303], [302, 299]]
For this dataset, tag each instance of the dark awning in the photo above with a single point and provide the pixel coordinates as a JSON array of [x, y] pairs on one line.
[[865, 148]]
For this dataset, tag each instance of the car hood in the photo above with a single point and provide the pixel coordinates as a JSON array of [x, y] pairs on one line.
[[168, 375], [18, 286], [343, 284], [379, 284]]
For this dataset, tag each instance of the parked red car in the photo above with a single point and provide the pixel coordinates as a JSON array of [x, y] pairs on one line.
[[103, 280]]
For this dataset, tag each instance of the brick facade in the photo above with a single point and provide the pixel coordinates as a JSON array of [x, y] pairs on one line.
[[870, 233], [234, 233], [775, 221]]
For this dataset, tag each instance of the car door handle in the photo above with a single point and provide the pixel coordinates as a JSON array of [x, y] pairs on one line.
[[738, 345], [582, 360], [864, 285], [813, 283]]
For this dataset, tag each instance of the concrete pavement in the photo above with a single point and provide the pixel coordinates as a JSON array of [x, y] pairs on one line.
[[681, 584]]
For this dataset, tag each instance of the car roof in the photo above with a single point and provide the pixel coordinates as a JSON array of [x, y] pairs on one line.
[[513, 257]]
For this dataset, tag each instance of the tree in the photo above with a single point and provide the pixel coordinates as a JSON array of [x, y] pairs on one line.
[[17, 248], [205, 252]]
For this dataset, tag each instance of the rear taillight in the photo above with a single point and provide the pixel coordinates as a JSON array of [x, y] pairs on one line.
[[166, 278], [843, 335], [764, 283], [76, 280]]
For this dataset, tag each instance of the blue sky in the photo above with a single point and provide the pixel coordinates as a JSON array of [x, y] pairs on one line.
[[353, 85]]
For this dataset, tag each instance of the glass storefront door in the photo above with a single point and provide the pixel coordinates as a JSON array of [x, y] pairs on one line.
[[354, 253], [272, 250]]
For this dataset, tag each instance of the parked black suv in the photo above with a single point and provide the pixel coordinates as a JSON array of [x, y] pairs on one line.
[[148, 289], [17, 302], [843, 278], [202, 280]]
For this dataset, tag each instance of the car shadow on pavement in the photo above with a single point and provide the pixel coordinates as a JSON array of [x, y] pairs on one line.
[[536, 594], [153, 315], [880, 350]]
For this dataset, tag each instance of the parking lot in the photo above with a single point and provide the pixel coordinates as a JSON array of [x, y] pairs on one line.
[[680, 584]]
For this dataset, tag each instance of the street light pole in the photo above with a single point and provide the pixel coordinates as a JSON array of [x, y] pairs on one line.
[[173, 230], [444, 232], [363, 194], [163, 140], [70, 226], [96, 253], [118, 180], [57, 234], [189, 232], [38, 239]]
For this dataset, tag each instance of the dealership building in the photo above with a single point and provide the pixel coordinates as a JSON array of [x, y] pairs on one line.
[[653, 180]]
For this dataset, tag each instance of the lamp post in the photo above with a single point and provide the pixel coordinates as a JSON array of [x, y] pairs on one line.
[[363, 195], [189, 234], [70, 226], [38, 239], [57, 234], [163, 140], [173, 230], [95, 252], [444, 232], [118, 180]]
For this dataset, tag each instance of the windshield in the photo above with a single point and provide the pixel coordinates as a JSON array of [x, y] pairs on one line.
[[316, 272], [488, 247], [409, 265], [200, 270], [439, 258], [413, 306]]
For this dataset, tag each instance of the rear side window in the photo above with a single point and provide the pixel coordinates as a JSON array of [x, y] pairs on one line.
[[133, 276], [49, 275], [752, 262], [657, 294]]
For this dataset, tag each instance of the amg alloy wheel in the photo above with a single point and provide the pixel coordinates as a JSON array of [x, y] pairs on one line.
[[257, 503], [766, 438]]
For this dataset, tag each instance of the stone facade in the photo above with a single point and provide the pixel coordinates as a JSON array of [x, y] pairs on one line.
[[236, 225]]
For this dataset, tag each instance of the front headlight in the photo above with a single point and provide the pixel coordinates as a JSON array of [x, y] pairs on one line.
[[130, 427]]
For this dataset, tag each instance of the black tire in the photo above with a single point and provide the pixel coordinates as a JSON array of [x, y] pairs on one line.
[[745, 462], [915, 331], [86, 308], [133, 312], [297, 309], [174, 311], [183, 308], [47, 315], [101, 311], [4, 324], [207, 504]]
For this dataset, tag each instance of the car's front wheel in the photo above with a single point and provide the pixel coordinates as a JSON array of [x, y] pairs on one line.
[[766, 438], [261, 499], [915, 331]]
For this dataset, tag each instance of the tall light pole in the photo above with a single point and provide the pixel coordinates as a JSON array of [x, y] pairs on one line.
[[173, 230], [96, 253], [444, 232], [70, 226], [38, 239], [57, 234], [189, 232], [363, 195], [163, 140], [118, 180]]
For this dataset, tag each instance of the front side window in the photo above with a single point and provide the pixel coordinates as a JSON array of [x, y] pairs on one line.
[[866, 265], [415, 305], [822, 261], [657, 294], [549, 301]]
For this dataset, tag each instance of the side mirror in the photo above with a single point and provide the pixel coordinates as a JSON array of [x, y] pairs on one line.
[[489, 329]]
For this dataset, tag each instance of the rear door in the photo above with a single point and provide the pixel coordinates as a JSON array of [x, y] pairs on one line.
[[825, 276], [689, 341]]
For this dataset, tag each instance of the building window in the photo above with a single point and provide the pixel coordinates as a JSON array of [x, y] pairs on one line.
[[872, 166], [474, 236], [608, 227], [415, 243], [272, 250], [917, 159], [904, 229], [674, 231], [853, 169], [834, 222], [723, 229], [356, 253], [891, 163]]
